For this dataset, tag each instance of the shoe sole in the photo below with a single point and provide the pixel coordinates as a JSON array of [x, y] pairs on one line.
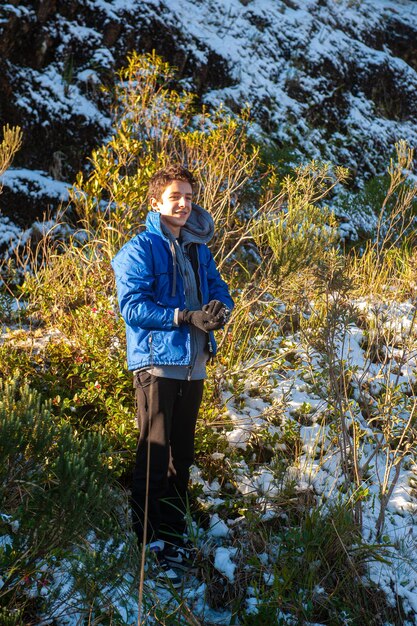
[[167, 585], [183, 566], [164, 583]]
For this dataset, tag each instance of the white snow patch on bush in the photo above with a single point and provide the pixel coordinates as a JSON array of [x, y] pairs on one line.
[[224, 564], [218, 528]]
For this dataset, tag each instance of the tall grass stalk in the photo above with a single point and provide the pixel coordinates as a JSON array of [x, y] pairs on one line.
[[397, 213], [9, 146]]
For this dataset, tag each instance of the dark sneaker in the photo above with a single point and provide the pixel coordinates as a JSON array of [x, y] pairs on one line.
[[183, 557], [161, 571]]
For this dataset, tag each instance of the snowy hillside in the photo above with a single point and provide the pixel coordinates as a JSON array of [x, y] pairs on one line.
[[335, 79]]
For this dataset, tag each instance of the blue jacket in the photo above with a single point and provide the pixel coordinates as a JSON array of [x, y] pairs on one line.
[[150, 288]]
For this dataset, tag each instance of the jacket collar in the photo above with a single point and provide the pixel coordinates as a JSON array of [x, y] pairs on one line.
[[198, 229]]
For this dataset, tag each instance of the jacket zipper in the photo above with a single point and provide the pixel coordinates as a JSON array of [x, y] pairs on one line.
[[151, 348], [198, 279], [193, 340]]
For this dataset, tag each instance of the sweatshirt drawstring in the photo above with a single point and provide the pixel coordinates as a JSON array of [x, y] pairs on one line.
[[174, 268]]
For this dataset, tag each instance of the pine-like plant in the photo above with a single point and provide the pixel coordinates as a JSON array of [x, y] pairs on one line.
[[55, 487]]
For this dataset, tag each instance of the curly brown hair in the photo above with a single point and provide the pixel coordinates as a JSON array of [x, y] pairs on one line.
[[165, 176]]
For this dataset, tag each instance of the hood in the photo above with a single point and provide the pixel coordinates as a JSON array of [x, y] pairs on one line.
[[199, 227]]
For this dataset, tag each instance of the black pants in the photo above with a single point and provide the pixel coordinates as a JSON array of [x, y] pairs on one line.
[[167, 413]]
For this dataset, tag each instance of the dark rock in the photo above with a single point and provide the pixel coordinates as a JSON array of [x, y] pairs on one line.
[[111, 33], [46, 9]]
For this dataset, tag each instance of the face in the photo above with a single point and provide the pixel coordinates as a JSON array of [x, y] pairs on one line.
[[175, 205]]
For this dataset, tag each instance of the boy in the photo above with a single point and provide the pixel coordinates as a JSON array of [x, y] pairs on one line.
[[172, 298]]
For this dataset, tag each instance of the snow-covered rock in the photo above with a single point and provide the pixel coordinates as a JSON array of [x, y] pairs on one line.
[[328, 79]]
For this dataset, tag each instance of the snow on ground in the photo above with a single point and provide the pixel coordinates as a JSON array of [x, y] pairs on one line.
[[48, 90], [295, 401], [319, 466]]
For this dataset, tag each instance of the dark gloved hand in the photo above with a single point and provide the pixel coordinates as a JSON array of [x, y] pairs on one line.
[[216, 323], [220, 313], [214, 307], [199, 319]]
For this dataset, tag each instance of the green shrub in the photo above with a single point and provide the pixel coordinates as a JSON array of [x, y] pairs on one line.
[[55, 487], [296, 232], [320, 572]]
